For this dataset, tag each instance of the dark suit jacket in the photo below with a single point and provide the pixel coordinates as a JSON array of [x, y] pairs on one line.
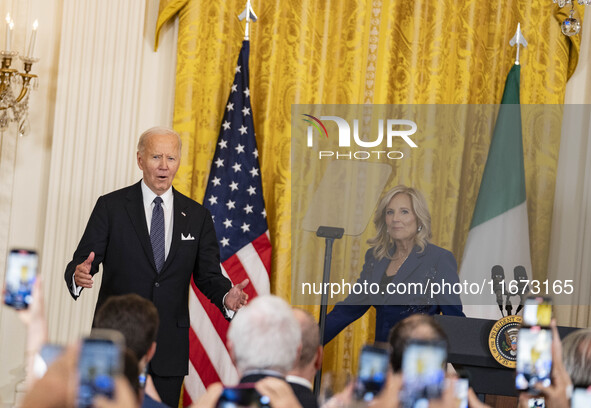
[[305, 397], [434, 265], [118, 234]]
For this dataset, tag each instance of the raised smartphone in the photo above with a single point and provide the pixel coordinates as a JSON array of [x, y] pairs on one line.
[[423, 372], [21, 272], [371, 373], [534, 358], [461, 390], [100, 361]]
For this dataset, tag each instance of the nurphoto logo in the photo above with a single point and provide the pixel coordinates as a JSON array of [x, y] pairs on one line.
[[387, 129]]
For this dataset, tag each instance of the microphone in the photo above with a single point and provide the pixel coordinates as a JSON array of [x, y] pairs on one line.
[[520, 275], [498, 276]]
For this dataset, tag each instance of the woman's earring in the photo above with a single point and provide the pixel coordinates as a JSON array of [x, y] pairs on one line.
[[420, 228]]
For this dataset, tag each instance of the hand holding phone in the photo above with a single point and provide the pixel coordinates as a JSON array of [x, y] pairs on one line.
[[534, 359], [461, 390], [100, 361], [54, 388], [46, 356], [21, 272], [423, 372], [372, 372]]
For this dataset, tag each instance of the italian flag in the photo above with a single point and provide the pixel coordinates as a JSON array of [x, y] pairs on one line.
[[499, 232]]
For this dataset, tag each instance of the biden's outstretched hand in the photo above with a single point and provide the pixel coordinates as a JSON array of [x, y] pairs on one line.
[[236, 297]]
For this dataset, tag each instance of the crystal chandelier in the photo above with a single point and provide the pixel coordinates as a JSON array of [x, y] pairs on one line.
[[571, 26], [15, 85]]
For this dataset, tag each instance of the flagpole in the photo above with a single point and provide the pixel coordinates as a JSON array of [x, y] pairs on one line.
[[234, 197], [249, 15], [518, 39]]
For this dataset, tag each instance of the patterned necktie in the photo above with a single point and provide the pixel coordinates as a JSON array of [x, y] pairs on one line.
[[157, 233]]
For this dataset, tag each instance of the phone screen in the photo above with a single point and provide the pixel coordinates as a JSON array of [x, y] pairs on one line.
[[536, 403], [581, 398], [99, 362], [534, 358], [537, 311], [244, 396], [372, 372], [21, 271], [423, 372], [461, 391]]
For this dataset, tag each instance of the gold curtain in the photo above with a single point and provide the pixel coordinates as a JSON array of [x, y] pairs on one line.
[[377, 52]]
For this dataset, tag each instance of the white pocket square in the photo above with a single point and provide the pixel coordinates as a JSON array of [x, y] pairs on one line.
[[187, 238]]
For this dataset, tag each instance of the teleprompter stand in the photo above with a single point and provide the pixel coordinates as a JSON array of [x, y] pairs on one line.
[[329, 234], [342, 203]]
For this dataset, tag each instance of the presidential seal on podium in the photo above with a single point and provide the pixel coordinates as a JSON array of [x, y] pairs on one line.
[[502, 340]]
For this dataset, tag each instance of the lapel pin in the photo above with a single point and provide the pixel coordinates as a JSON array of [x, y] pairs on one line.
[[184, 215]]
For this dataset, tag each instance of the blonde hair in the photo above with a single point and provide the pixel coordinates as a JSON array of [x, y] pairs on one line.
[[382, 242]]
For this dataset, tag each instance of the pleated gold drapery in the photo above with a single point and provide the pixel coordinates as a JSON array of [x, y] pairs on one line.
[[380, 52]]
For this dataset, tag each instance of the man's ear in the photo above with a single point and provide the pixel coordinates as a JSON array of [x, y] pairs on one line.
[[151, 352], [318, 358], [139, 161], [297, 359]]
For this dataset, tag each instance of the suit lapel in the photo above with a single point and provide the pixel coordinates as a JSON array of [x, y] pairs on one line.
[[137, 214], [179, 222]]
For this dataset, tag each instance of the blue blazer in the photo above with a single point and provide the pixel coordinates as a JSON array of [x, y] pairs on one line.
[[434, 266]]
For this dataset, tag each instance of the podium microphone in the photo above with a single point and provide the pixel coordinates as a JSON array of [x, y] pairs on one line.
[[497, 275], [520, 275]]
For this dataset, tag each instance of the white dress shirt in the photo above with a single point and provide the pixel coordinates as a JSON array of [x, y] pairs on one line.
[[294, 379]]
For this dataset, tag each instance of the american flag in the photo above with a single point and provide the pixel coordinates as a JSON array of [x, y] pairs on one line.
[[234, 198]]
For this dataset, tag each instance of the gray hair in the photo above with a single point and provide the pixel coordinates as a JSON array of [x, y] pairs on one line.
[[382, 242], [157, 130], [310, 337], [265, 335], [576, 352]]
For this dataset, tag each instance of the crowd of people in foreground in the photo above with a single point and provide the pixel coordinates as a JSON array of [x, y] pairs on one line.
[[279, 360]]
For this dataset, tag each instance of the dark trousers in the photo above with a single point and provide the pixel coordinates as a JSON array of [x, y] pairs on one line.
[[169, 389]]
